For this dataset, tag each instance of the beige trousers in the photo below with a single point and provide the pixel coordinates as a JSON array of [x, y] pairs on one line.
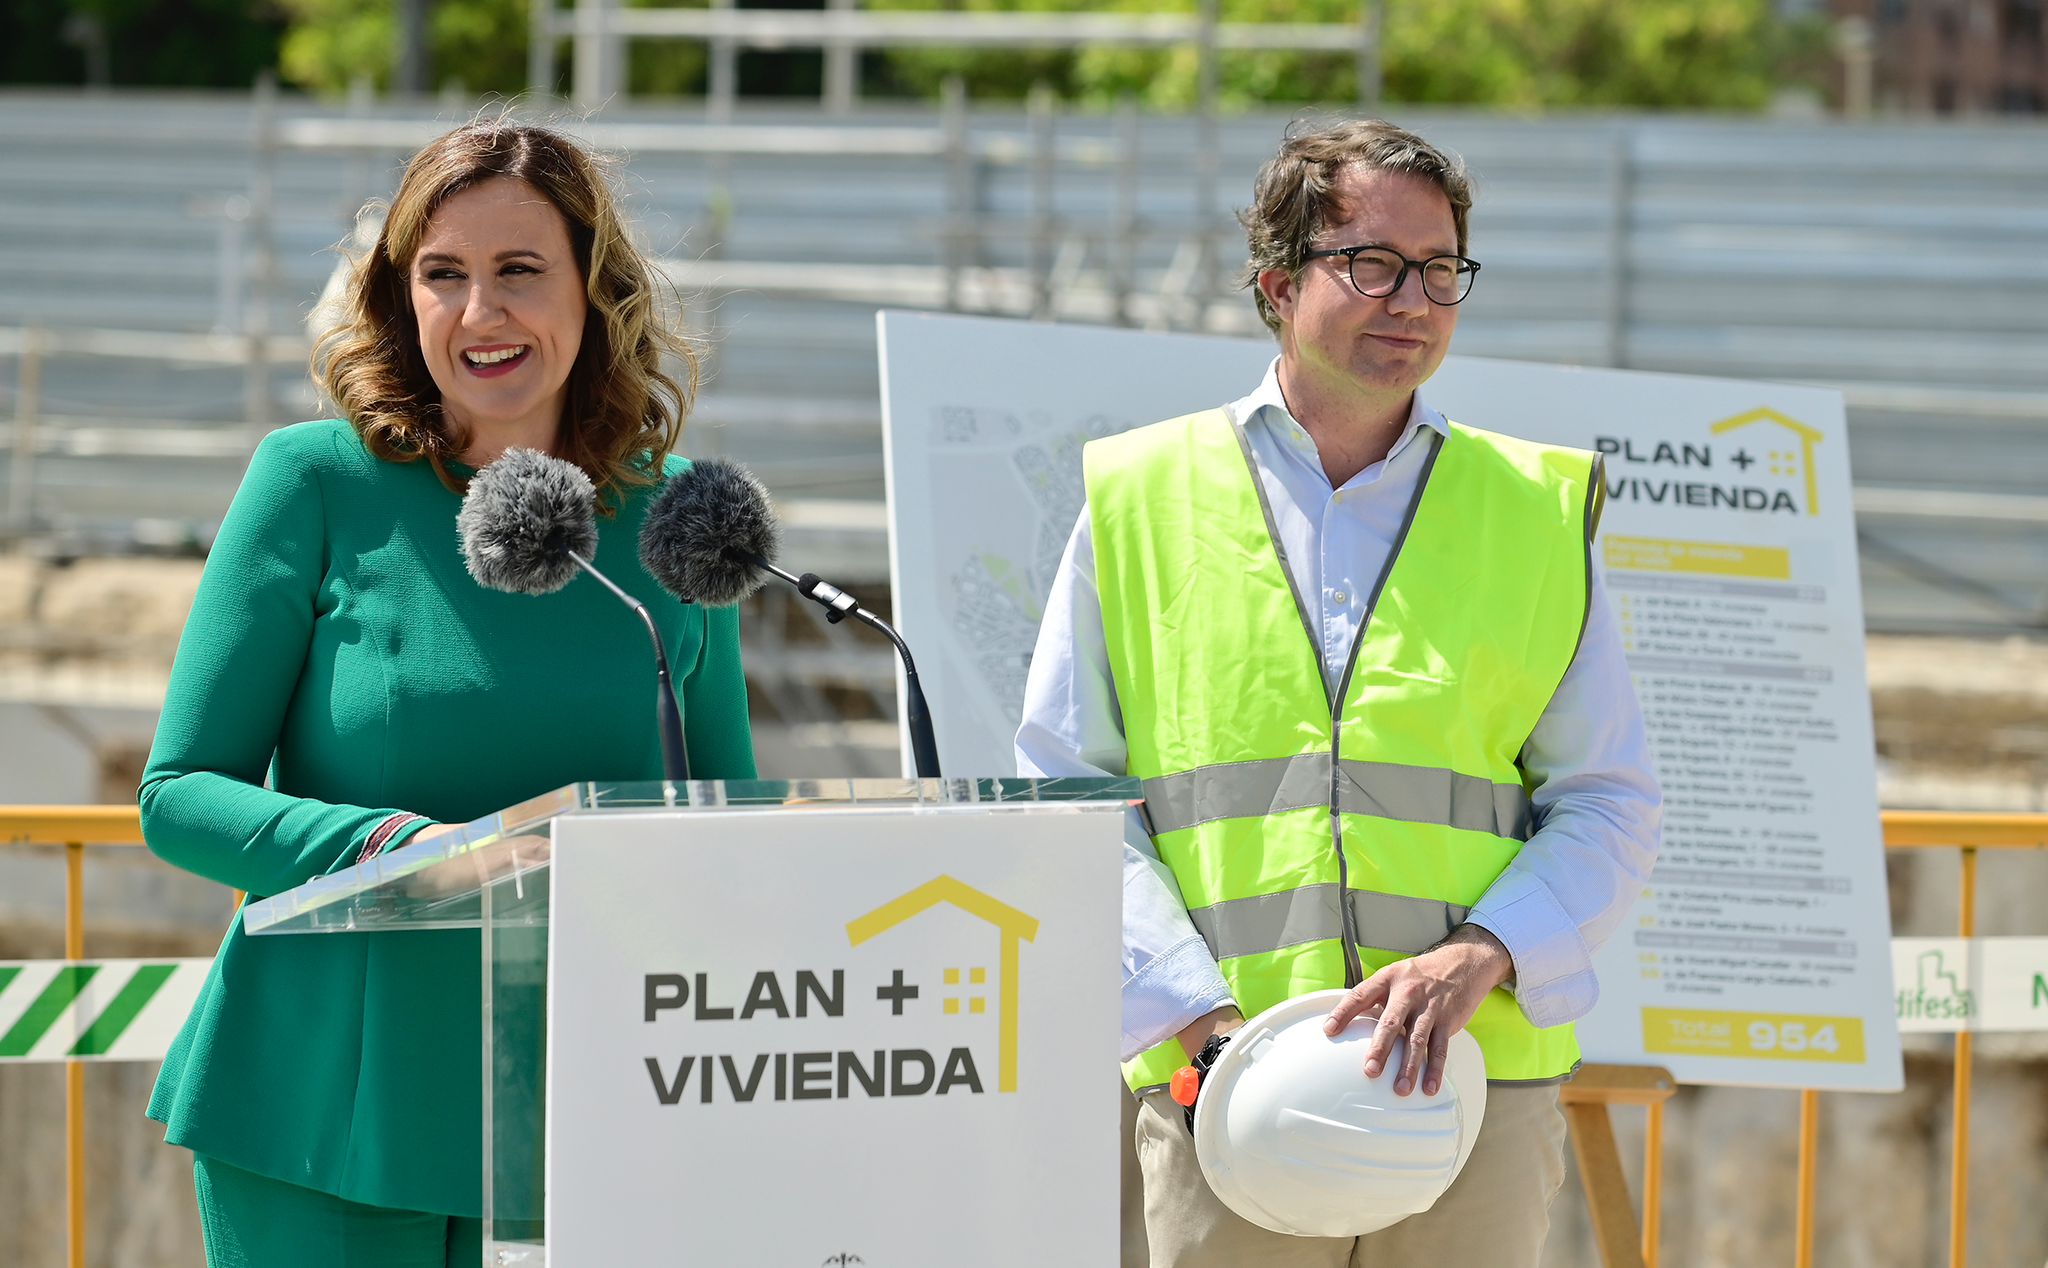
[[1497, 1213]]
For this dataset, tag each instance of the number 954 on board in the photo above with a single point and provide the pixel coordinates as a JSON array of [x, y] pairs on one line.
[[1761, 1036]]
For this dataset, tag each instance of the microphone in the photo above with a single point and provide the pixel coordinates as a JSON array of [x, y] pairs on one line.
[[528, 524], [709, 537]]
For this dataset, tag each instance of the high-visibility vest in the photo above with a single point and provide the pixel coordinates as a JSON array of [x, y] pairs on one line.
[[1320, 831]]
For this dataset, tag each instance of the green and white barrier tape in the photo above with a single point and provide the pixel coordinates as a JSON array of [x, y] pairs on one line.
[[99, 1010]]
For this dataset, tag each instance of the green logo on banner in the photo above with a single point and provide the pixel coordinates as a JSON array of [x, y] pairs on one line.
[[1939, 995]]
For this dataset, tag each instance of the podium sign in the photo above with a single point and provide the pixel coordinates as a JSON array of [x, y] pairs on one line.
[[836, 1035], [843, 1021]]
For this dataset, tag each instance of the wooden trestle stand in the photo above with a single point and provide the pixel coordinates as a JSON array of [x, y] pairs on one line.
[[1586, 1099]]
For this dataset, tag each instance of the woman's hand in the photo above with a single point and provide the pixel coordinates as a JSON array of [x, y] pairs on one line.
[[479, 866], [431, 831]]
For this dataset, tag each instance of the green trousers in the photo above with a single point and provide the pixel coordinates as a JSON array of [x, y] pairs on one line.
[[252, 1221]]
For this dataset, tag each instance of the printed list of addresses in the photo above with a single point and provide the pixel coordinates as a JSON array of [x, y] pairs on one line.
[[1741, 706]]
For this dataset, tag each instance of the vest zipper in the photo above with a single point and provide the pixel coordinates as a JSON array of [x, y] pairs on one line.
[[1354, 969]]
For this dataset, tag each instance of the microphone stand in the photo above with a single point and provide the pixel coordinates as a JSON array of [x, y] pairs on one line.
[[675, 754], [838, 605]]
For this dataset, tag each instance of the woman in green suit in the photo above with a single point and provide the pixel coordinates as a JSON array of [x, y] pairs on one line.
[[343, 686]]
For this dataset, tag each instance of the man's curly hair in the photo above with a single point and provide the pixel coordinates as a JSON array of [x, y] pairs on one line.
[[1293, 199]]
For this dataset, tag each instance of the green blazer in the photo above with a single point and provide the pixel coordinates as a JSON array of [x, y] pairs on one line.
[[338, 647]]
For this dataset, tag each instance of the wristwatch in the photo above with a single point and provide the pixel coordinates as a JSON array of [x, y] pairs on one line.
[[1186, 1086]]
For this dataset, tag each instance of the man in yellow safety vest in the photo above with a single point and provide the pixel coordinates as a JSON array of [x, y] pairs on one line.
[[1362, 661]]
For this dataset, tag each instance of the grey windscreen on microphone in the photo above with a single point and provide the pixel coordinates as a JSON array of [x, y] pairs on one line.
[[700, 530], [522, 516]]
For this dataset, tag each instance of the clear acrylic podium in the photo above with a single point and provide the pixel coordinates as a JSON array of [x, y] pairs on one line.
[[493, 875]]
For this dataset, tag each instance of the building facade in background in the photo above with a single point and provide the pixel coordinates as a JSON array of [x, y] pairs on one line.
[[1949, 57]]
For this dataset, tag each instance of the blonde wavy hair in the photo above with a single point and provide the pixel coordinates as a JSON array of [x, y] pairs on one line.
[[625, 410]]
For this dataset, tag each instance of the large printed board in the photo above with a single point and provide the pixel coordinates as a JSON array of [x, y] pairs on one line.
[[1759, 955]]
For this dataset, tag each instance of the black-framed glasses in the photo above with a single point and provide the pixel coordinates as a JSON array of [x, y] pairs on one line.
[[1376, 272]]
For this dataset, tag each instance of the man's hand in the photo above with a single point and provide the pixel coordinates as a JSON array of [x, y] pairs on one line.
[[1429, 998], [1220, 1022]]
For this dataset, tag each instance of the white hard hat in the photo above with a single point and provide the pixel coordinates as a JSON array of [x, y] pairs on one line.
[[1293, 1136]]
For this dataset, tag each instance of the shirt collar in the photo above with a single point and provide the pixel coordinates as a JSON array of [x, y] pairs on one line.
[[1266, 404]]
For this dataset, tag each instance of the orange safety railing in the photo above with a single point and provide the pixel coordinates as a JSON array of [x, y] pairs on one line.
[[75, 827], [1903, 830], [1920, 830]]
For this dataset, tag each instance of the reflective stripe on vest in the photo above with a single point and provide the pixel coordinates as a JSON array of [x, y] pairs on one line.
[[1418, 794], [1273, 922], [1319, 830]]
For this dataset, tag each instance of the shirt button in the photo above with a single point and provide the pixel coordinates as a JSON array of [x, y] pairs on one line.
[[1341, 597]]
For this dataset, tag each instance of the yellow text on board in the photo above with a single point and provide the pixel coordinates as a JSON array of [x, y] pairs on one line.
[[1718, 559], [1699, 1032]]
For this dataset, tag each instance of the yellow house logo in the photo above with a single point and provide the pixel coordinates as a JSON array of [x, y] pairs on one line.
[[723, 1038], [1794, 460], [1013, 928]]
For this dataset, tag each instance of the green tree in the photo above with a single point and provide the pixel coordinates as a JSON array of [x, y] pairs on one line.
[[1515, 54], [1520, 54], [153, 43], [479, 44]]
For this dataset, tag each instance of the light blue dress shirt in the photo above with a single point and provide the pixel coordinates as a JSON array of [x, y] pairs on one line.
[[1596, 800]]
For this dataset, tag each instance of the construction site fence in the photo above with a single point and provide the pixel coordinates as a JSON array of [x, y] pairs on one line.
[[73, 829]]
